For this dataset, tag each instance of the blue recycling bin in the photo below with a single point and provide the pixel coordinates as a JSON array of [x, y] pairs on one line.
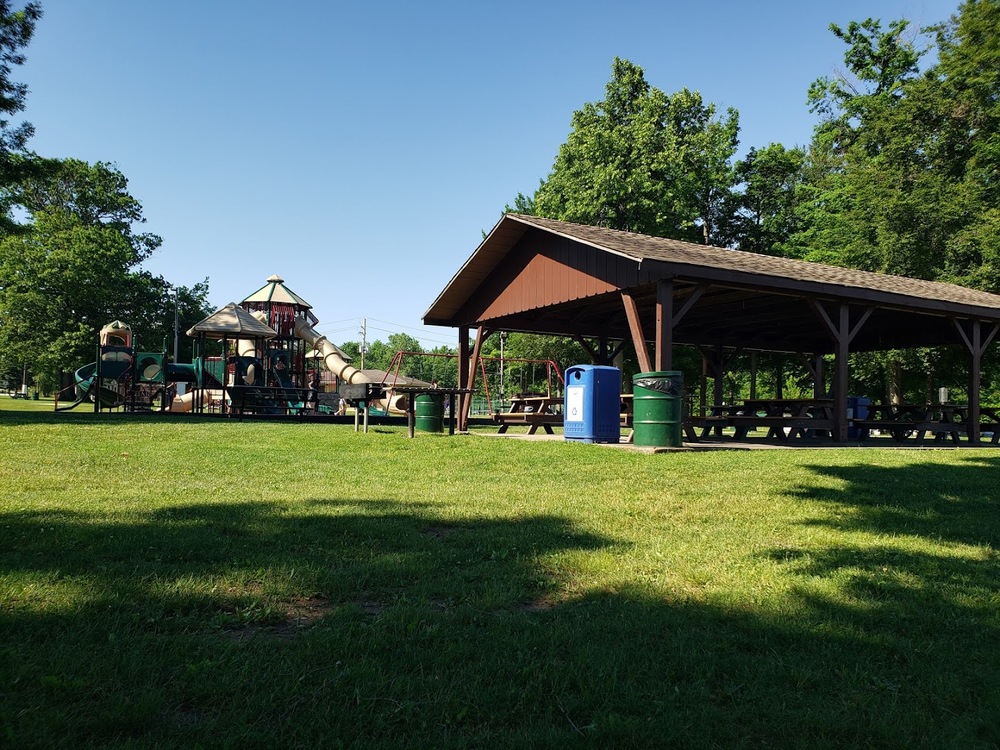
[[592, 404], [857, 408]]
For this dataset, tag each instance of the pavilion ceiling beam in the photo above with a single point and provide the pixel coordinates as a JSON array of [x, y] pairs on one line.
[[591, 351], [835, 329]]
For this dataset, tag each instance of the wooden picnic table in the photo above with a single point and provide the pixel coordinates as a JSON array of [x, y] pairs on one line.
[[803, 417], [903, 421], [784, 418], [533, 411]]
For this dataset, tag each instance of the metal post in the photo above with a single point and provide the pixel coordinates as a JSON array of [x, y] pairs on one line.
[[503, 340], [175, 327]]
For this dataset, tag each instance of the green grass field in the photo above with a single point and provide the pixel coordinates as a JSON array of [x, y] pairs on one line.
[[185, 582]]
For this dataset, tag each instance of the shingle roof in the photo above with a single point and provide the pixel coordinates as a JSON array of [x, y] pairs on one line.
[[642, 247]]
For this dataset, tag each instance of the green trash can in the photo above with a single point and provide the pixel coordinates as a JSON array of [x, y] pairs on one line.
[[429, 410], [657, 398]]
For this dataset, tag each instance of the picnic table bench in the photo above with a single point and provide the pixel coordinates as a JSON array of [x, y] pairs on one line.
[[784, 418], [903, 421], [530, 411]]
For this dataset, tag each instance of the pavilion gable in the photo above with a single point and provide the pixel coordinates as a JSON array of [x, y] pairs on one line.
[[543, 270]]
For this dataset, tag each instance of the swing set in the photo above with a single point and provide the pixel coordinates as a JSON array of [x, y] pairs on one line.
[[554, 383]]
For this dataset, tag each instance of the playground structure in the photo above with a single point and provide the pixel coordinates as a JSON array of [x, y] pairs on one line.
[[122, 377], [267, 341]]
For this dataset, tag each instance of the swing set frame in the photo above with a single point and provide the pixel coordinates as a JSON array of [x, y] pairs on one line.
[[550, 368]]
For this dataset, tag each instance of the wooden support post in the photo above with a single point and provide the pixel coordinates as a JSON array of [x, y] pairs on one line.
[[638, 337], [842, 333], [976, 344], [819, 381], [465, 400], [482, 334], [664, 324], [840, 376], [975, 369], [719, 374], [703, 395]]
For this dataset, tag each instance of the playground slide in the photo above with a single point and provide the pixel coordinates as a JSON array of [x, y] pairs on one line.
[[331, 354], [336, 364], [86, 388], [198, 396]]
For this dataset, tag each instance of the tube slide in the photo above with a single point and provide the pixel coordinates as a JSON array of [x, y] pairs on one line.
[[198, 395], [336, 364], [87, 389], [331, 355]]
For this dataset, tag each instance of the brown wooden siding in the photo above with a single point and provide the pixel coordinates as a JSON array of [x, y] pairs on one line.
[[542, 270]]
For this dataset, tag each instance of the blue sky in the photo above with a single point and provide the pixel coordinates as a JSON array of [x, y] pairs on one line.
[[360, 149]]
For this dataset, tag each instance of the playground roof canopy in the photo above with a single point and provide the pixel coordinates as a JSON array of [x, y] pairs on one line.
[[276, 291], [540, 275], [232, 322]]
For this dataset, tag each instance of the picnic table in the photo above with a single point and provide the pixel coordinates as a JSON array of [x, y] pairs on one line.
[[904, 421], [531, 410], [802, 417], [784, 418]]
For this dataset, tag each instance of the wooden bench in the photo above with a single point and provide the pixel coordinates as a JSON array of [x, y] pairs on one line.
[[533, 420], [901, 429], [707, 425], [776, 426]]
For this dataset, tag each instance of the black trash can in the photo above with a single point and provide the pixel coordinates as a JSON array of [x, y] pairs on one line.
[[657, 399]]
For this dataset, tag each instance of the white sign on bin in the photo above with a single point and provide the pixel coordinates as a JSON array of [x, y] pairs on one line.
[[574, 403]]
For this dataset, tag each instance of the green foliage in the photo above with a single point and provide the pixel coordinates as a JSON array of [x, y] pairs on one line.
[[76, 268], [642, 161], [16, 29], [75, 265], [761, 216]]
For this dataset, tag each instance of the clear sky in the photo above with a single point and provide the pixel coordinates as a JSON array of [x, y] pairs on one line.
[[360, 149]]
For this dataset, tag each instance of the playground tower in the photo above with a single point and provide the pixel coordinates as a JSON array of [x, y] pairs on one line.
[[285, 360]]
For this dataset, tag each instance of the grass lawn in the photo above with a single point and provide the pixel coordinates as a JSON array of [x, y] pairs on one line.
[[186, 582]]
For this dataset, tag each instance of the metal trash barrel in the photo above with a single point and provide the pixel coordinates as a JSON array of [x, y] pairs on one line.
[[429, 411], [657, 398]]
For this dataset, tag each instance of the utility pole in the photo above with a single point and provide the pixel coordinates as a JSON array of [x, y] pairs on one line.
[[364, 344]]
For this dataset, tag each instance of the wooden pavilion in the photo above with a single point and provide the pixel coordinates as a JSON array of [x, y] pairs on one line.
[[606, 287]]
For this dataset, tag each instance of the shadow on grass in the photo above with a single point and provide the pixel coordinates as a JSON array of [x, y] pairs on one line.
[[84, 414], [389, 624]]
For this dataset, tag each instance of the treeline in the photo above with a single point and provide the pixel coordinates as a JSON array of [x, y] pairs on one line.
[[71, 248], [902, 175]]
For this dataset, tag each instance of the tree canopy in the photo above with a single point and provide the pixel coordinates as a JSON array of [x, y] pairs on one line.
[[71, 252], [901, 176], [642, 161]]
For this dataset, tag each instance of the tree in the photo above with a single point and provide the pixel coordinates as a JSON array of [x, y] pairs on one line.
[[16, 29], [642, 162], [761, 216], [77, 268]]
